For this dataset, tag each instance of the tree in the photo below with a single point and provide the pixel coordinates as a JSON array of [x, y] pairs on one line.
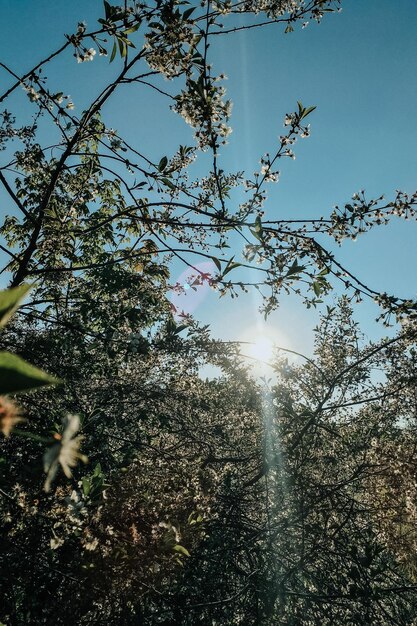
[[332, 413], [203, 500], [73, 198], [273, 505]]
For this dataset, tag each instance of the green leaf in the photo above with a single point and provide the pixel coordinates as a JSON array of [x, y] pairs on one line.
[[132, 29], [86, 486], [113, 52], [309, 110], [317, 288], [18, 375], [295, 269], [10, 300], [257, 230], [162, 164], [122, 47], [217, 263], [168, 183], [97, 470], [32, 436], [304, 112], [323, 272], [257, 234], [258, 224], [230, 266], [187, 13], [107, 9], [181, 550]]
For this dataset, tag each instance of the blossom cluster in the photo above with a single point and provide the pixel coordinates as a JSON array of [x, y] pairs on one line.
[[204, 108], [360, 215], [171, 46], [87, 54]]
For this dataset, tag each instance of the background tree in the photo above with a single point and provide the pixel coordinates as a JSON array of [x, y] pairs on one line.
[[203, 501]]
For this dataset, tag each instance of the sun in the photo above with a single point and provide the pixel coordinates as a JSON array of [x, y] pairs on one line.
[[261, 348], [258, 344]]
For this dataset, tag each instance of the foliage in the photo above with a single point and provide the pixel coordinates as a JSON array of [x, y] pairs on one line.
[[204, 501], [89, 205], [225, 500]]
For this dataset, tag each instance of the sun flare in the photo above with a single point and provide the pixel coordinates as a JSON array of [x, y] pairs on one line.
[[261, 348], [259, 343]]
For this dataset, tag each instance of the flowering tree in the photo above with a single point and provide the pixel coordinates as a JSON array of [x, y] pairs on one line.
[[212, 501], [71, 200]]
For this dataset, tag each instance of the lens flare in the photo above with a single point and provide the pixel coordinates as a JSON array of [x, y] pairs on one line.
[[258, 344], [261, 349]]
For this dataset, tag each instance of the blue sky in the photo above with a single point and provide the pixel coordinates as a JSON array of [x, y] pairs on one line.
[[358, 67]]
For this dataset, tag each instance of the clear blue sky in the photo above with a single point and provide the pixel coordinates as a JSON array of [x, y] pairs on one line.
[[357, 67]]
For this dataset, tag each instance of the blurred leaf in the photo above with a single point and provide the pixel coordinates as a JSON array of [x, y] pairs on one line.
[[10, 300], [18, 375]]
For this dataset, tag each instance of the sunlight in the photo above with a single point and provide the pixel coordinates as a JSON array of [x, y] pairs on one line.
[[261, 349], [258, 344]]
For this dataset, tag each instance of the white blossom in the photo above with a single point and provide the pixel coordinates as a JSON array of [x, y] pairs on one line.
[[90, 54]]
